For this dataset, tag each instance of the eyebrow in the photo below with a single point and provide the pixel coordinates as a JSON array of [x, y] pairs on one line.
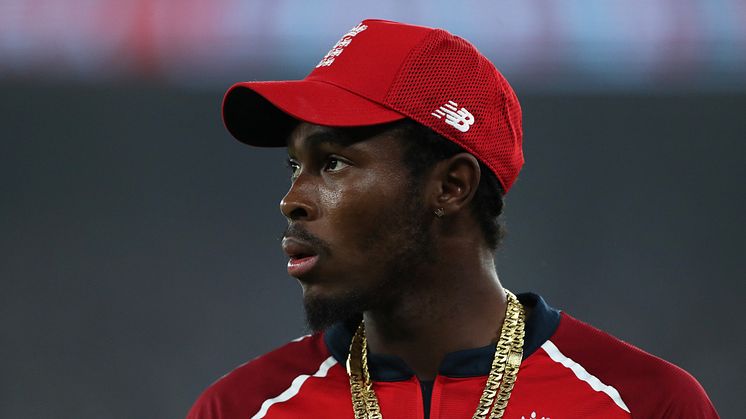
[[330, 137]]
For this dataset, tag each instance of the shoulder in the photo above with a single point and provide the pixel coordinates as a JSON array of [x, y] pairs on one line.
[[649, 386], [241, 392]]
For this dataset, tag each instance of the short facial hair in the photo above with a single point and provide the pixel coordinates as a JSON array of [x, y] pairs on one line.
[[409, 243]]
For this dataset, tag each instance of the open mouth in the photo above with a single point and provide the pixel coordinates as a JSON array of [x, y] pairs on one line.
[[299, 265], [302, 256], [299, 256]]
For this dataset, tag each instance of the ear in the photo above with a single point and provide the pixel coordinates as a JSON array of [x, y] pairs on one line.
[[455, 182]]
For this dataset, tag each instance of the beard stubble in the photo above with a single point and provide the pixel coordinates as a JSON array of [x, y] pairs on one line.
[[405, 236]]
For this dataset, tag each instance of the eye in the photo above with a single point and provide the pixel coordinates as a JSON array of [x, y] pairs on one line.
[[294, 167], [334, 164]]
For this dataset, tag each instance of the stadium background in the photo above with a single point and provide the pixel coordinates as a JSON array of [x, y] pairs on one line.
[[139, 243]]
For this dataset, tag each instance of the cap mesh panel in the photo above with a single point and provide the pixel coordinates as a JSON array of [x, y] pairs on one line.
[[448, 68]]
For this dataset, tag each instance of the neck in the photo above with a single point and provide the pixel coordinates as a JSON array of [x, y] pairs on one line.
[[462, 307]]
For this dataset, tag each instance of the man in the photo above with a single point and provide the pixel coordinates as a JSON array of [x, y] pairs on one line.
[[402, 143]]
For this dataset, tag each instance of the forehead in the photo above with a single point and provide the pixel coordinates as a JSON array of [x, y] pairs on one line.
[[307, 137]]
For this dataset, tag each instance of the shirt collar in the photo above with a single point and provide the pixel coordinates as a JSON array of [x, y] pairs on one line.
[[540, 325]]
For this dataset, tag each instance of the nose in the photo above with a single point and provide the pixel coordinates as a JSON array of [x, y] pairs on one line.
[[297, 203]]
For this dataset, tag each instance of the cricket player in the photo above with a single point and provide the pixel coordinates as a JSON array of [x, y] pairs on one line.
[[401, 143]]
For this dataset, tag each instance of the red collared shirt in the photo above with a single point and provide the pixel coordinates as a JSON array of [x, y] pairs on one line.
[[569, 370]]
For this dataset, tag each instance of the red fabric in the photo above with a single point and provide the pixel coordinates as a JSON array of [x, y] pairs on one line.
[[649, 386], [240, 393], [552, 390]]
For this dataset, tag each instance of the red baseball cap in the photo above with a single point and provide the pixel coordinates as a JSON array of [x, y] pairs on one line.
[[382, 71]]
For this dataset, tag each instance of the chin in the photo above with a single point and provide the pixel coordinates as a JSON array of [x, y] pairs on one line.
[[324, 309], [315, 291], [324, 287]]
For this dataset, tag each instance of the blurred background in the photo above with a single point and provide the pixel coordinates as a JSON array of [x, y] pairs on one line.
[[139, 243]]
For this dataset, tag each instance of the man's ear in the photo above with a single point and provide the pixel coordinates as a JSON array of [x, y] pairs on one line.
[[455, 181]]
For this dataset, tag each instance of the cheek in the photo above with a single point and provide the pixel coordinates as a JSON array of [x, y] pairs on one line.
[[331, 199], [359, 214]]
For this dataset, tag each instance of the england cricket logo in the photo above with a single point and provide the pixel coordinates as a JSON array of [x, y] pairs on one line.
[[533, 416], [461, 119], [339, 47]]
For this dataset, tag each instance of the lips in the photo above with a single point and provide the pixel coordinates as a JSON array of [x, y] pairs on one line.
[[303, 257]]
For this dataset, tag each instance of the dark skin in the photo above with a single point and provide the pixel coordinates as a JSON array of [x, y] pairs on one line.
[[348, 194]]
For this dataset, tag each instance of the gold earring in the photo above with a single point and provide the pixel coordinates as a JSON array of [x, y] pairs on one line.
[[440, 212]]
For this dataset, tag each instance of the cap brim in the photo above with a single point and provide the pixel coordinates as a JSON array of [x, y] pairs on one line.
[[264, 113]]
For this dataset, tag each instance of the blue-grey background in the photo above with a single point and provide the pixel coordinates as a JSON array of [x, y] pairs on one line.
[[139, 243]]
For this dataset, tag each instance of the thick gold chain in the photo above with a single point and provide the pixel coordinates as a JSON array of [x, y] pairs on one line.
[[364, 400], [500, 381], [505, 364]]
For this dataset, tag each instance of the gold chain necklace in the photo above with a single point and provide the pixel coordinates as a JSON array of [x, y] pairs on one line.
[[500, 381]]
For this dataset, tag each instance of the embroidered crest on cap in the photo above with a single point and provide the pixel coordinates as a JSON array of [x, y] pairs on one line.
[[339, 47], [461, 119]]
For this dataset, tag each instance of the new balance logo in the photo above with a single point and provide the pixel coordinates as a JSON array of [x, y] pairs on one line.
[[461, 119], [339, 47]]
